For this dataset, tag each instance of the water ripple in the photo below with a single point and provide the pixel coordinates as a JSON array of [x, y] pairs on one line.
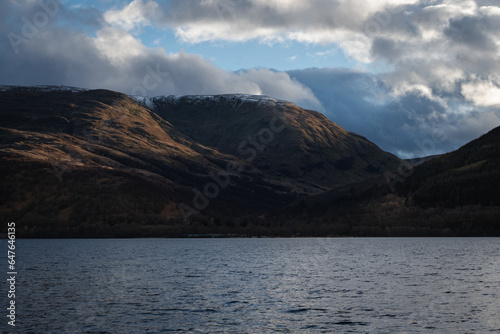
[[259, 286]]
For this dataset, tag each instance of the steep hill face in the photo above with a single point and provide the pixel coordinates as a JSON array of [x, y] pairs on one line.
[[298, 146], [468, 176], [96, 162]]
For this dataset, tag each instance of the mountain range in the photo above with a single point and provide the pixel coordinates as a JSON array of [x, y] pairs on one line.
[[98, 163]]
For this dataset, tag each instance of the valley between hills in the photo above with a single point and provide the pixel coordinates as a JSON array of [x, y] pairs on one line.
[[97, 163]]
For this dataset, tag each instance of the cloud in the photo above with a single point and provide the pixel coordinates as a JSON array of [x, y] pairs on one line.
[[118, 46], [136, 14], [437, 44], [412, 124], [280, 85], [482, 93], [115, 59], [443, 46], [315, 21]]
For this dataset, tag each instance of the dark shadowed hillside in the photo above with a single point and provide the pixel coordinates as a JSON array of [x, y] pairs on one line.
[[301, 147], [468, 176], [452, 195]]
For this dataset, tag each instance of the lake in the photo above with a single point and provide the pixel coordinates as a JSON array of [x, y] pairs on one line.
[[260, 285]]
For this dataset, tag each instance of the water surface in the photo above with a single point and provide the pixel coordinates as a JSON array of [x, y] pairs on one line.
[[413, 285]]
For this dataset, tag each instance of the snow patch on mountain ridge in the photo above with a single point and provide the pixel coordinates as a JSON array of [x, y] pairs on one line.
[[238, 99]]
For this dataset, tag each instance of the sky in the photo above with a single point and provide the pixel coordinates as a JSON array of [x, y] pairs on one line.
[[416, 77]]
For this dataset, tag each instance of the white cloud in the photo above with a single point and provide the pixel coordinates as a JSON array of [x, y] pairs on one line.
[[280, 85], [482, 93], [322, 54], [404, 88], [135, 14], [118, 45]]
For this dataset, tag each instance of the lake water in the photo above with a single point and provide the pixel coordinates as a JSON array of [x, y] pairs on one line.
[[414, 285]]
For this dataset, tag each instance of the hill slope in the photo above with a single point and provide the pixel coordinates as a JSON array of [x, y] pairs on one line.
[[452, 195], [301, 147], [89, 163], [467, 176]]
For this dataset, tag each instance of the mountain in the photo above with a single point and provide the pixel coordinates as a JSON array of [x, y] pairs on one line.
[[82, 163], [300, 147]]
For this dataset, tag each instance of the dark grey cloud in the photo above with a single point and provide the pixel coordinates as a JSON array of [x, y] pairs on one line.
[[386, 49], [410, 125], [251, 14], [471, 31]]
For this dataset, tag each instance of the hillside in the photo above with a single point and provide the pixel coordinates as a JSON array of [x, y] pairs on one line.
[[301, 147], [98, 163], [467, 176], [455, 194]]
